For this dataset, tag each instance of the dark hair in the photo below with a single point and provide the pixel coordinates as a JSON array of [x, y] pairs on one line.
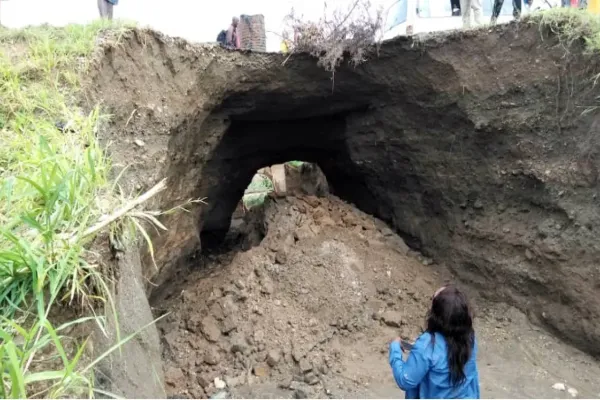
[[451, 316]]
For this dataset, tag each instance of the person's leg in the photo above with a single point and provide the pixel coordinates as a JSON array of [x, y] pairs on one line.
[[517, 9], [101, 5], [496, 10], [455, 5], [109, 9], [477, 12], [465, 9]]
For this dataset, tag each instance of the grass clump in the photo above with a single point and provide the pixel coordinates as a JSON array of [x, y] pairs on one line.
[[53, 187], [572, 25], [257, 191]]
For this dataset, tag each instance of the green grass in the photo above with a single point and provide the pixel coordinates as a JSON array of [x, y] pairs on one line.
[[53, 187], [257, 191], [572, 25]]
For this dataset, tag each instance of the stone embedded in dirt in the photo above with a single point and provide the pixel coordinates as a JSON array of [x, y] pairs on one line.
[[559, 386], [281, 257], [220, 384], [311, 378], [139, 142], [204, 381], [573, 392], [266, 285], [235, 381], [210, 328], [217, 311], [392, 318], [305, 366], [174, 376], [261, 370], [211, 356], [478, 205], [239, 345], [229, 324], [228, 305], [273, 357]]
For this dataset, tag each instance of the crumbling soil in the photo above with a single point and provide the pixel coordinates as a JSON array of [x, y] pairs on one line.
[[309, 311]]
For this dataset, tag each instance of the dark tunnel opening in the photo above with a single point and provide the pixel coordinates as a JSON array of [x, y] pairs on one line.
[[249, 145]]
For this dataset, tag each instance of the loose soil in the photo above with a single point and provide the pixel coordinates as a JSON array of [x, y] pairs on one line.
[[309, 311]]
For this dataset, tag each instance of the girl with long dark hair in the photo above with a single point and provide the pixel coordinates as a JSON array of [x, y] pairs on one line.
[[442, 361]]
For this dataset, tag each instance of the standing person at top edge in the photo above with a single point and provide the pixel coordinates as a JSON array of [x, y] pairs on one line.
[[105, 7], [442, 362], [233, 38], [498, 6], [466, 7]]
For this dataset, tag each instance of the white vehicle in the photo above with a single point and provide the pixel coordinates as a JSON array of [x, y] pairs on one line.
[[409, 17]]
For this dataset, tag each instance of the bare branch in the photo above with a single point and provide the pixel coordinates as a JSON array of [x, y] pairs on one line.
[[352, 33]]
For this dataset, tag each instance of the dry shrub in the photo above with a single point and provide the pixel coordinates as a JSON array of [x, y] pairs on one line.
[[353, 31]]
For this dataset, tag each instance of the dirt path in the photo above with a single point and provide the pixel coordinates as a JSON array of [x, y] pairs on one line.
[[309, 312]]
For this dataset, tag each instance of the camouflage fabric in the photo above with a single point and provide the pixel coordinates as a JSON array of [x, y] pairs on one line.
[[498, 7]]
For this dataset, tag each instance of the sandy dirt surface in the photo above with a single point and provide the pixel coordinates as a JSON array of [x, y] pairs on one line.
[[309, 311]]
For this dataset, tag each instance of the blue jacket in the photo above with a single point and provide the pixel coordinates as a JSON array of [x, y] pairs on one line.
[[425, 374]]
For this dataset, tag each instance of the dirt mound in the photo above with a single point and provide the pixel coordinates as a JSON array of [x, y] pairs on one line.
[[291, 310], [309, 310]]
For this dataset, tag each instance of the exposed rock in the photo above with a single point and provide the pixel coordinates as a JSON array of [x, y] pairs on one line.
[[273, 357], [211, 356], [173, 376], [220, 384], [239, 345], [559, 386], [204, 381], [210, 328], [311, 378], [305, 365], [266, 285], [261, 370], [229, 324]]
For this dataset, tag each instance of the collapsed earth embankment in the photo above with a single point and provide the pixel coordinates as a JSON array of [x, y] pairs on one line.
[[479, 148]]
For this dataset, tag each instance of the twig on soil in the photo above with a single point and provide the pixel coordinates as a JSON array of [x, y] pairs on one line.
[[159, 187], [130, 116]]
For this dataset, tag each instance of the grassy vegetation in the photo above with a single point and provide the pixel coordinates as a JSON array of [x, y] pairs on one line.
[[53, 187], [261, 186], [572, 25]]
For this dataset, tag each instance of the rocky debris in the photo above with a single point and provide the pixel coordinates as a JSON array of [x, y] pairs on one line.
[[559, 386], [220, 384], [174, 376], [261, 370], [273, 357], [211, 356], [259, 315], [210, 328], [305, 366], [573, 392], [229, 324]]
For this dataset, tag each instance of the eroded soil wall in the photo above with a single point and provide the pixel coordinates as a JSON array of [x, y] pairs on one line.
[[473, 146]]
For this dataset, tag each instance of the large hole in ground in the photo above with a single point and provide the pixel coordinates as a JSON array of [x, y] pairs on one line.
[[297, 294]]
